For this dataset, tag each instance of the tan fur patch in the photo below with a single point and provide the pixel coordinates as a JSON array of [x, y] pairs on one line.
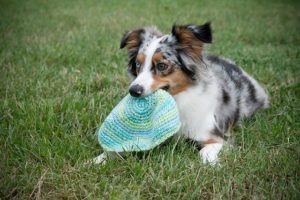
[[177, 82], [140, 58], [157, 57], [209, 141], [188, 42]]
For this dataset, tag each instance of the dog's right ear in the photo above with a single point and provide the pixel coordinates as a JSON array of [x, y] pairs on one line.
[[132, 39]]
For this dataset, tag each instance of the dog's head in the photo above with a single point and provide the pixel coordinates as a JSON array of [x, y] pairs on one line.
[[164, 61]]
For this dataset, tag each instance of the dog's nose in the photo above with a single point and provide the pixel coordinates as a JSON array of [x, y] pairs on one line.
[[136, 90]]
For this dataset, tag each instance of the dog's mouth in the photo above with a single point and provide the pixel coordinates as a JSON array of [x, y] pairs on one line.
[[166, 87]]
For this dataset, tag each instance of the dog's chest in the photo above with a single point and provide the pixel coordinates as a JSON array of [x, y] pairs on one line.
[[196, 108]]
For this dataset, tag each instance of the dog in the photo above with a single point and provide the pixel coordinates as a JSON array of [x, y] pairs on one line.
[[212, 93]]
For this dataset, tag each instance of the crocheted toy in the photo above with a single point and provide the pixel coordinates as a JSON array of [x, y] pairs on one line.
[[139, 124]]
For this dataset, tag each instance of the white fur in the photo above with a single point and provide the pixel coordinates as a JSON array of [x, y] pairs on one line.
[[196, 107], [145, 78], [209, 153], [101, 159]]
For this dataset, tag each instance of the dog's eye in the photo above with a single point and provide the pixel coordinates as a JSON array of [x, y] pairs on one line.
[[161, 66], [138, 65]]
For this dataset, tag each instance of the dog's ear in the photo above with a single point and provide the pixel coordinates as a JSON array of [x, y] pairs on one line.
[[189, 39], [132, 40]]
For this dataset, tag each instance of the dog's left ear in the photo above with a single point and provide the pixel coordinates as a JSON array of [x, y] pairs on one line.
[[132, 39], [191, 38]]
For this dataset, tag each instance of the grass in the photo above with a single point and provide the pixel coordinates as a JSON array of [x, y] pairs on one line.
[[62, 72]]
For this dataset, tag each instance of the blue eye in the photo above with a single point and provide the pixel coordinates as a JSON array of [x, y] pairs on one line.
[[137, 64]]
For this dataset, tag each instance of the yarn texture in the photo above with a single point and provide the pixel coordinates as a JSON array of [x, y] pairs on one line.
[[139, 124]]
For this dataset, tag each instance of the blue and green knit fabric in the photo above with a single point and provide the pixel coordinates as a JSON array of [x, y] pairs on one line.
[[139, 124]]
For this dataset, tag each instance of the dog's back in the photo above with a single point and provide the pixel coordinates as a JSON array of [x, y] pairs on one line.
[[240, 94]]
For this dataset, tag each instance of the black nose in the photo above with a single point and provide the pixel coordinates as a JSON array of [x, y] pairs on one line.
[[136, 90]]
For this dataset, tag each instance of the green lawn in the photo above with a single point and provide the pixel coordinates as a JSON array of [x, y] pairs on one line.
[[62, 72]]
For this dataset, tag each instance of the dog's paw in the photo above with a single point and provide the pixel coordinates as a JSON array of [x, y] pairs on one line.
[[209, 153], [101, 159]]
